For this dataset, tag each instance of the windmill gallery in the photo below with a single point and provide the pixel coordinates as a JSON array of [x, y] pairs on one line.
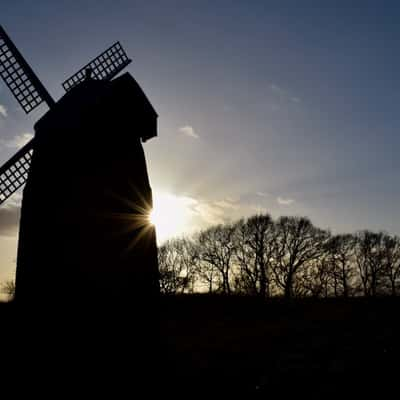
[[84, 227]]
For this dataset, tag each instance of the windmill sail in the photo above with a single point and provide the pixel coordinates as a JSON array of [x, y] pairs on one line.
[[19, 77], [30, 93], [14, 173], [105, 66]]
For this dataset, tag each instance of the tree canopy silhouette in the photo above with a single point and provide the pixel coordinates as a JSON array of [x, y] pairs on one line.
[[287, 257]]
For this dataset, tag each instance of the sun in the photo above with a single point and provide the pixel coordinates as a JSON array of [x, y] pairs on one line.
[[170, 215]]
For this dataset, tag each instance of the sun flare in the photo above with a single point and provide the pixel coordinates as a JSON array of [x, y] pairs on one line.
[[170, 215]]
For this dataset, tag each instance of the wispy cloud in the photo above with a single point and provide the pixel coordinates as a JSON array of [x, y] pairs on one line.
[[206, 214], [277, 89], [262, 194], [3, 111], [14, 201], [285, 201], [17, 141], [228, 203], [9, 216], [196, 213], [188, 130], [284, 94], [256, 208], [211, 212]]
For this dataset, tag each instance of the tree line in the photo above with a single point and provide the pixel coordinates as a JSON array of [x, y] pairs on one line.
[[287, 257]]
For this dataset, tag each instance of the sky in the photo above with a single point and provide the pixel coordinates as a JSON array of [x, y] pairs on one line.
[[284, 107]]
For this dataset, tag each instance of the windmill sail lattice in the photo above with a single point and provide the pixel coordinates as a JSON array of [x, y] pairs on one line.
[[19, 77], [14, 173], [30, 93], [105, 66]]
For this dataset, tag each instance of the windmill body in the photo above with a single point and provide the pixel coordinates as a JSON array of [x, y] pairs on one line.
[[84, 229]]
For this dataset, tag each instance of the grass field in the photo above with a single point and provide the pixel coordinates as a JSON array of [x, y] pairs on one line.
[[229, 346], [313, 348]]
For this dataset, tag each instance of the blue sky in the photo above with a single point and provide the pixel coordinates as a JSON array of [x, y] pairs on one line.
[[288, 107]]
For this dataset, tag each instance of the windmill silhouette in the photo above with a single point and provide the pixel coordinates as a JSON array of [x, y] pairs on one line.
[[84, 228]]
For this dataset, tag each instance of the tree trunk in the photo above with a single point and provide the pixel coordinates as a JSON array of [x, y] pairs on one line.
[[393, 284], [263, 281], [288, 286], [345, 285]]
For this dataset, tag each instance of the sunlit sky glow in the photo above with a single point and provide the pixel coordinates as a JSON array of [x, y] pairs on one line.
[[282, 106], [171, 215]]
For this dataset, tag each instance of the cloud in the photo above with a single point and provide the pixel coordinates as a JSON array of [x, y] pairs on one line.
[[13, 201], [262, 194], [9, 216], [188, 130], [256, 208], [284, 201], [227, 203], [206, 214], [212, 212], [277, 89], [195, 213], [3, 111], [177, 215], [284, 94], [17, 141]]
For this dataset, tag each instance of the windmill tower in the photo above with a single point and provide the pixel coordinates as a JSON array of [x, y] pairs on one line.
[[84, 228]]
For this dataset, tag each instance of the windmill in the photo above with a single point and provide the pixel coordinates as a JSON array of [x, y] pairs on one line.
[[84, 229]]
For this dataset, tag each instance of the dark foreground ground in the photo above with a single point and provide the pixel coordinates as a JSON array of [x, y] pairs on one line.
[[214, 346]]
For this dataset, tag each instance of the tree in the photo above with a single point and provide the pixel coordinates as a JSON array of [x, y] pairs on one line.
[[391, 261], [298, 243], [314, 278], [370, 261], [216, 251], [8, 288], [255, 243], [262, 257], [188, 252], [172, 267], [340, 254], [207, 274]]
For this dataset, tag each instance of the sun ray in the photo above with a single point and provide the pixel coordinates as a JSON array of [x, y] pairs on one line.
[[169, 216]]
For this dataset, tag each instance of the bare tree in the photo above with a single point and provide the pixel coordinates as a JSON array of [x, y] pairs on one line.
[[391, 261], [188, 252], [172, 267], [254, 249], [8, 288], [313, 279], [246, 277], [261, 257], [298, 243], [340, 253], [216, 251], [370, 261], [207, 274]]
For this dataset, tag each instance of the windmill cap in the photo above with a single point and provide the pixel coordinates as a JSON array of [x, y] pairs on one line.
[[122, 97]]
